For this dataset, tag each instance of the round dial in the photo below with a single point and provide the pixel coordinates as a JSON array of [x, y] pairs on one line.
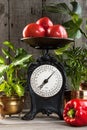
[[46, 80]]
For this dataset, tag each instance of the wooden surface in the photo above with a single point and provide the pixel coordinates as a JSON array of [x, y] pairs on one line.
[[39, 123]]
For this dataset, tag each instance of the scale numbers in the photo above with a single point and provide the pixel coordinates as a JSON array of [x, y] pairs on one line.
[[46, 80]]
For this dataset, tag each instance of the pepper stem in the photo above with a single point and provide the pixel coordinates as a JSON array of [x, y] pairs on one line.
[[71, 113]]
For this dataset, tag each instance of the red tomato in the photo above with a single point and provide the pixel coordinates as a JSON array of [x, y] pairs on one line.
[[33, 30], [57, 31], [45, 22]]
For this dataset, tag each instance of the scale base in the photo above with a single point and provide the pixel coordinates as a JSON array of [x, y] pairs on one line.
[[46, 106]]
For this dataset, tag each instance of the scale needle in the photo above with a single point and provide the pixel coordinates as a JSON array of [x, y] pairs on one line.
[[45, 81]]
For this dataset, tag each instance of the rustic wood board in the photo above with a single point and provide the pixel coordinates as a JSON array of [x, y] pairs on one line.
[[15, 14]]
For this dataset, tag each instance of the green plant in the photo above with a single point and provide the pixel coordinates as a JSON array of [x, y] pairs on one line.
[[75, 63], [73, 24], [13, 64], [75, 58]]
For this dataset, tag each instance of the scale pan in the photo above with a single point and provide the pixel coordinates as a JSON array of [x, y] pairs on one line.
[[47, 42]]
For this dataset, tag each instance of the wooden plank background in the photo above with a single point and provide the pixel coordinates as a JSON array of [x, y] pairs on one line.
[[15, 14]]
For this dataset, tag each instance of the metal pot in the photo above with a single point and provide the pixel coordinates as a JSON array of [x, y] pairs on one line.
[[11, 105]]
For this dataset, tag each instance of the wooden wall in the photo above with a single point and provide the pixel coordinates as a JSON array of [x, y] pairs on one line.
[[15, 14]]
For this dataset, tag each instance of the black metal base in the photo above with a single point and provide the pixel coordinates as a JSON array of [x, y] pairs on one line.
[[45, 106], [29, 116]]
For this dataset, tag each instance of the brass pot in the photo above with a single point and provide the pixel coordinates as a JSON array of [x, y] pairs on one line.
[[11, 105]]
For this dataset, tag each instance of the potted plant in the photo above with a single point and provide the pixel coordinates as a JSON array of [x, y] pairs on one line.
[[75, 58], [75, 63], [13, 65]]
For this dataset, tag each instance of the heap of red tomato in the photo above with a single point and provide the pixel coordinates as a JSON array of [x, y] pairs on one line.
[[44, 27]]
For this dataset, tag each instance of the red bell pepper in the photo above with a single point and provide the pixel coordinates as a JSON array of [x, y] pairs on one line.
[[75, 112]]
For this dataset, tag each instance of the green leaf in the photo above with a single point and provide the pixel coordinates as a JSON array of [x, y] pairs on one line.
[[76, 7], [58, 8], [19, 89], [8, 90], [1, 79], [3, 68], [63, 8], [20, 52], [75, 18], [2, 87], [2, 61], [9, 44], [6, 53], [61, 50], [21, 60], [72, 28]]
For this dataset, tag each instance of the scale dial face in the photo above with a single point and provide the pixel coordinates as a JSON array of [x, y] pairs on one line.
[[46, 80]]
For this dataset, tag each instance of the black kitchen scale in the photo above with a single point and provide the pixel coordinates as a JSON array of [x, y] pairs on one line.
[[46, 78]]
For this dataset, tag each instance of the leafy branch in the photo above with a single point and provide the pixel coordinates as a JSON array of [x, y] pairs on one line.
[[73, 25], [12, 74]]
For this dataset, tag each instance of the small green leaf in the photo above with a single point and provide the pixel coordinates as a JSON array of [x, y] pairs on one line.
[[19, 89], [8, 89], [3, 68], [61, 50], [19, 52], [2, 61], [9, 44], [6, 53], [2, 87], [21, 60], [1, 79], [75, 19]]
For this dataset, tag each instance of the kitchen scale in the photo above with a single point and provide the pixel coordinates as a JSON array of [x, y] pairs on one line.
[[46, 78]]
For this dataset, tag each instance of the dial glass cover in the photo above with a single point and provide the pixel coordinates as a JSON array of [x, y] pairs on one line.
[[46, 80]]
